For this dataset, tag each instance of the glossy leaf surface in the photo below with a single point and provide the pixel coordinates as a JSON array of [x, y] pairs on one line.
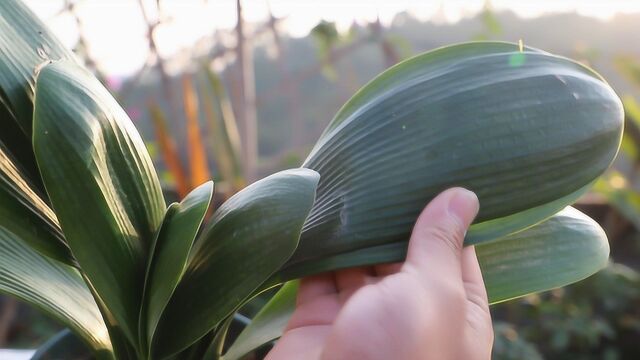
[[25, 214], [520, 129], [564, 249], [248, 238], [56, 289], [25, 46], [171, 251], [101, 182], [567, 248], [268, 324]]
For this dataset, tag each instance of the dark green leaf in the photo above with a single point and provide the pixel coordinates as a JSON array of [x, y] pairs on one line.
[[24, 213], [101, 183], [268, 324], [249, 237], [25, 46], [170, 253], [500, 227], [56, 289], [520, 129], [564, 249]]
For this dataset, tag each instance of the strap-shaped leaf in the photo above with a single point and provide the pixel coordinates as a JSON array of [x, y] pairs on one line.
[[519, 128], [16, 146], [268, 324], [101, 183], [170, 253], [25, 46], [25, 214], [248, 238], [56, 289], [566, 248], [561, 231], [498, 228]]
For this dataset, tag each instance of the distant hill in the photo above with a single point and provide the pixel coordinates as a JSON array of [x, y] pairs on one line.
[[582, 38]]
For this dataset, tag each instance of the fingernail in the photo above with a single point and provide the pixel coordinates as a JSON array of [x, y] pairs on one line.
[[462, 202]]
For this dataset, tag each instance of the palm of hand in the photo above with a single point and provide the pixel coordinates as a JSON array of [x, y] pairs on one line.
[[434, 306]]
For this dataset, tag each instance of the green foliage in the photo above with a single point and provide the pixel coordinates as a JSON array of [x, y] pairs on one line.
[[594, 319], [439, 120], [141, 280]]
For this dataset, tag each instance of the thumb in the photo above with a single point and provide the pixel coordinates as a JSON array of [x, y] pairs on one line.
[[436, 241]]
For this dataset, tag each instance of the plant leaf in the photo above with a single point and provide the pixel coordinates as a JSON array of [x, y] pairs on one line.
[[25, 45], [569, 228], [520, 129], [564, 249], [567, 248], [495, 229], [101, 183], [26, 215], [268, 324], [56, 289], [248, 238], [170, 253]]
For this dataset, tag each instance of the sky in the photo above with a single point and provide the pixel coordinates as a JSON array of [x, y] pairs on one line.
[[116, 30]]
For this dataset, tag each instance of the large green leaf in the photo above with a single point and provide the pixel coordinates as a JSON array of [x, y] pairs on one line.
[[56, 289], [16, 147], [564, 249], [570, 239], [248, 238], [268, 324], [494, 229], [25, 46], [170, 254], [24, 213], [101, 183], [520, 129]]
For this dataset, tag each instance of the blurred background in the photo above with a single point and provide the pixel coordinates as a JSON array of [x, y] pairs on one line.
[[237, 89]]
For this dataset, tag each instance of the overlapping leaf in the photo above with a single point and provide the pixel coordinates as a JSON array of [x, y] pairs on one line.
[[101, 183], [170, 253], [25, 46], [520, 129], [249, 237], [268, 324], [54, 288], [26, 215], [564, 249]]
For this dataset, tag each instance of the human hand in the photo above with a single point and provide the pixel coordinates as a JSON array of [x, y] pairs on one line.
[[433, 306]]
